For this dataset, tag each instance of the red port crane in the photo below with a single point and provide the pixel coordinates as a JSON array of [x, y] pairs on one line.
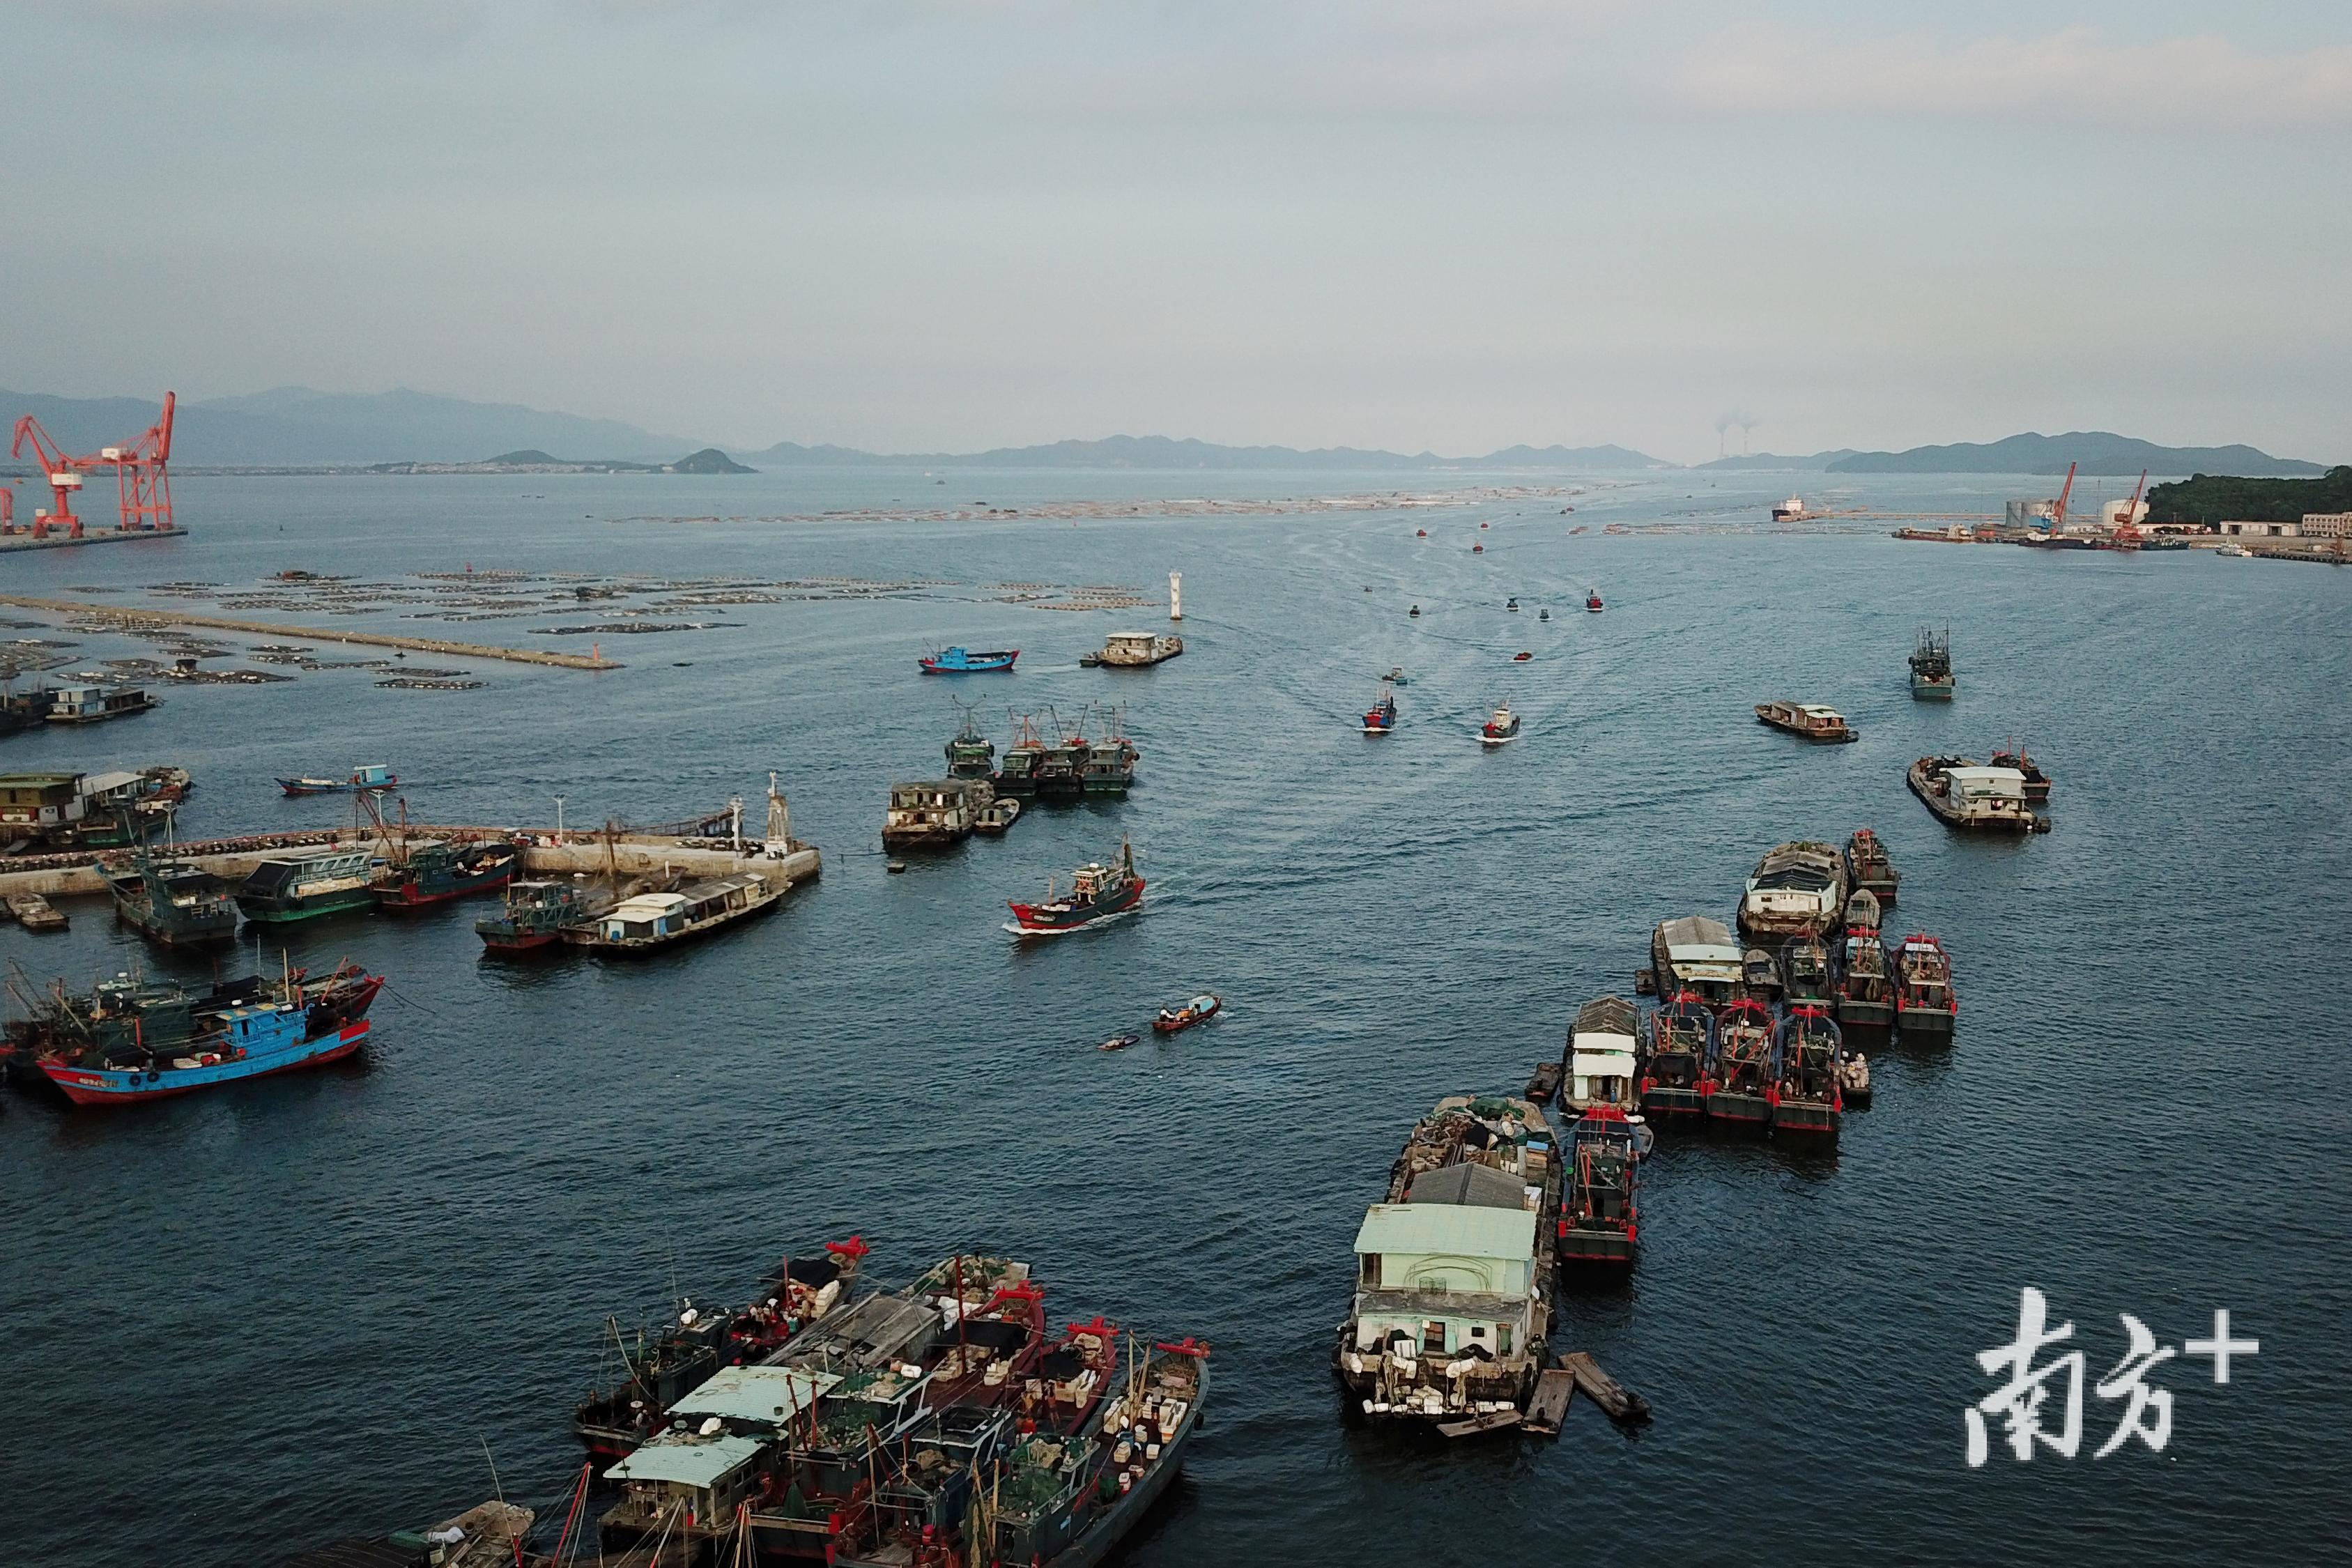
[[2127, 531], [2058, 523], [58, 469], [140, 474]]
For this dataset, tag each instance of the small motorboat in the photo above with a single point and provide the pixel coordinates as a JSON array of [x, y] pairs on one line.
[[1592, 601], [1521, 657], [1381, 718], [1512, 606], [1118, 1042], [1199, 1010], [1500, 729], [1854, 1079], [997, 815], [374, 779], [1477, 550], [961, 661], [894, 866], [1395, 676], [1414, 611], [1486, 525], [1543, 615], [1420, 534]]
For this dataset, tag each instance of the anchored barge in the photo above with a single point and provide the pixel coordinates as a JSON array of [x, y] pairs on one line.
[[95, 704], [652, 920], [284, 889], [1797, 889], [1135, 650], [1453, 1305], [1808, 721], [1598, 1068], [1972, 798], [935, 815]]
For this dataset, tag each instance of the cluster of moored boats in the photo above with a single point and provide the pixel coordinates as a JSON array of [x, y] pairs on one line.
[[945, 1423], [982, 795], [1492, 1199]]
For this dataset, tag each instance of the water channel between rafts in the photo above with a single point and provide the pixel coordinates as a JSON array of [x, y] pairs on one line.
[[245, 1323]]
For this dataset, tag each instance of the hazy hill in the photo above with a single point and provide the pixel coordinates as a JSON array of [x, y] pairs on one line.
[[1757, 461], [295, 425], [1163, 452], [2097, 451]]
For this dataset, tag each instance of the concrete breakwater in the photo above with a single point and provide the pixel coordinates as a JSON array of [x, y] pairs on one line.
[[127, 619], [545, 855]]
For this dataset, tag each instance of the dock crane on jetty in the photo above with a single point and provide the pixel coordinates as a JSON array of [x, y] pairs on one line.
[[142, 477]]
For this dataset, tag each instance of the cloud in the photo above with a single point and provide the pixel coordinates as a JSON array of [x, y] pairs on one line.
[[2074, 75], [282, 21]]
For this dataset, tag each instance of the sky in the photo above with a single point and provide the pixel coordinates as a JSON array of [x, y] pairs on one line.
[[1442, 225]]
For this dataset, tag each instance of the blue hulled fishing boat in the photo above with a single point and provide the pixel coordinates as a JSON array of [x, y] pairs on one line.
[[960, 661]]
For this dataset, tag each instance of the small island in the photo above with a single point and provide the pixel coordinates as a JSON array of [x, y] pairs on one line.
[[531, 460]]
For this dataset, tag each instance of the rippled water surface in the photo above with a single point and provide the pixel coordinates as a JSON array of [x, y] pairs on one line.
[[245, 1322]]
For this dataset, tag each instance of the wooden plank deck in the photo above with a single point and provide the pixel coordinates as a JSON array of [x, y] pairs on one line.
[[1620, 1403], [1493, 1421], [1549, 1408]]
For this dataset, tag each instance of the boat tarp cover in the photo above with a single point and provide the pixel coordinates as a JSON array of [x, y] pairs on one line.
[[1608, 1016], [758, 1394], [1468, 1182], [686, 1461]]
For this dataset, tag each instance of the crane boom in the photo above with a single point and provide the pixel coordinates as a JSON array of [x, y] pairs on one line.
[[56, 468], [2058, 523]]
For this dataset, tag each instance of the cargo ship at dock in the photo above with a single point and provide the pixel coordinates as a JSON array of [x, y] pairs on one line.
[[1451, 1318], [131, 1040]]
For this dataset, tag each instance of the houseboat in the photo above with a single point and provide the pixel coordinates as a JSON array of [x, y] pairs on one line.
[[651, 920], [1134, 650], [1868, 868], [2037, 783], [1695, 955], [36, 808], [532, 915], [1931, 665], [935, 813], [1805, 972], [1096, 893], [135, 1040], [1598, 1218], [1673, 1068], [959, 661], [1501, 728], [173, 903], [1796, 890], [1739, 1074], [1452, 1307], [1380, 717], [1972, 798], [1927, 1006], [92, 704], [1809, 720], [304, 887], [1598, 1068], [1808, 1072], [374, 778]]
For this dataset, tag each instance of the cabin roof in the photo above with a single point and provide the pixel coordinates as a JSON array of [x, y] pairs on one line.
[[1462, 1230], [102, 784], [1605, 1018], [1695, 932], [1988, 775], [769, 1394], [35, 781], [646, 907], [1480, 1186], [686, 1461]]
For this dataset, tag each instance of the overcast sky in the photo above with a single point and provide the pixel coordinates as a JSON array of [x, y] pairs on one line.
[[1441, 224]]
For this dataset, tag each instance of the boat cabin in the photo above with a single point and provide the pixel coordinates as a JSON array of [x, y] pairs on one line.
[[32, 803], [942, 806], [702, 1479], [1811, 720], [296, 876], [1600, 1056], [86, 704], [1442, 1279], [1987, 794], [1695, 955]]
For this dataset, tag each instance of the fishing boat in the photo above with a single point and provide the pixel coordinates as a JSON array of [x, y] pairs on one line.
[[1598, 1216], [307, 886], [1862, 912], [1098, 892], [1598, 1068], [532, 916], [1521, 657], [1807, 720], [1695, 955], [970, 754], [1452, 1307], [934, 814], [2037, 783], [1017, 774], [1805, 972], [175, 903], [95, 704], [1136, 651], [1500, 729], [959, 661], [1927, 1006], [1380, 717], [1974, 799], [1759, 978], [131, 1040], [1931, 666], [1477, 550], [1808, 1069], [421, 873], [1109, 764], [1797, 889], [35, 914], [1592, 600], [1543, 1083], [1543, 615], [650, 921], [666, 1364], [1868, 868], [1740, 1073], [1199, 1010], [375, 778], [1866, 991], [1414, 612], [1512, 606], [996, 817], [1673, 1068]]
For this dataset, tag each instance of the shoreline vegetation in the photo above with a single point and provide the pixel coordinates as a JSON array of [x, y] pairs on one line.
[[2215, 498]]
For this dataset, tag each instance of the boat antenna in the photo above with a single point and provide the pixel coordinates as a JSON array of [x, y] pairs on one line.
[[495, 1485]]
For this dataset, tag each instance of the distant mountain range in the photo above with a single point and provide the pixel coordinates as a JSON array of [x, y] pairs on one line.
[[1161, 452], [293, 426], [2096, 452]]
